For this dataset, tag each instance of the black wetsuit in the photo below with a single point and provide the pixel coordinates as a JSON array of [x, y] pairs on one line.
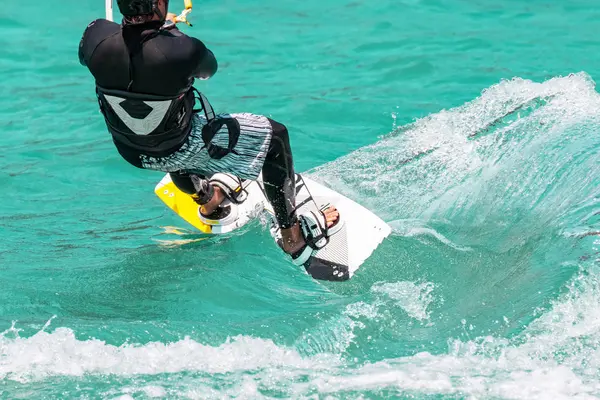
[[134, 60]]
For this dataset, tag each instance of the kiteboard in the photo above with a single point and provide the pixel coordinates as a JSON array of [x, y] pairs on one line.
[[357, 234]]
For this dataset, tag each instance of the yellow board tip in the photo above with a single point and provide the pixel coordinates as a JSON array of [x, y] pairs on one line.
[[182, 204]]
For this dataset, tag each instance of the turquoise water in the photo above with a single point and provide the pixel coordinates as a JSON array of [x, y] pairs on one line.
[[472, 127]]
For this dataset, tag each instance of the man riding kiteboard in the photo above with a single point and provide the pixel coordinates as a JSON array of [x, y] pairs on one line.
[[144, 70]]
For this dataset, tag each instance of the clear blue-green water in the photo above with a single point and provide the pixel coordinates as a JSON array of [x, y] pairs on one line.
[[472, 127]]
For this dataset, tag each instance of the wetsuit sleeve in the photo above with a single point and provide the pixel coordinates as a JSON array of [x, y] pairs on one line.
[[205, 63], [81, 53], [93, 35], [83, 47]]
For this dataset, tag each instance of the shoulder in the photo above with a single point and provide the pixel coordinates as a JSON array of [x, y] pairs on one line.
[[100, 29], [95, 33], [183, 44], [175, 35]]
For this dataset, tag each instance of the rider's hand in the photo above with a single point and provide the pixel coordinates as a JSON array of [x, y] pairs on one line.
[[172, 17]]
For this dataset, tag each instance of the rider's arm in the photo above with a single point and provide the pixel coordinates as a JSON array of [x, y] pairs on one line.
[[205, 63], [93, 35]]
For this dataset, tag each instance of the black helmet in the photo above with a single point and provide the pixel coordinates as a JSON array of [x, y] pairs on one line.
[[132, 8]]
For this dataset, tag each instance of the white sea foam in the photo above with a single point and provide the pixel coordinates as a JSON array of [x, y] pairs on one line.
[[412, 298], [59, 353]]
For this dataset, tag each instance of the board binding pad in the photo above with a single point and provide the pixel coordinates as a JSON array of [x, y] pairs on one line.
[[358, 234]]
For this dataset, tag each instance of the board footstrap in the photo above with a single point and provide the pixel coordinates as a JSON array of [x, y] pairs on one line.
[[316, 234]]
